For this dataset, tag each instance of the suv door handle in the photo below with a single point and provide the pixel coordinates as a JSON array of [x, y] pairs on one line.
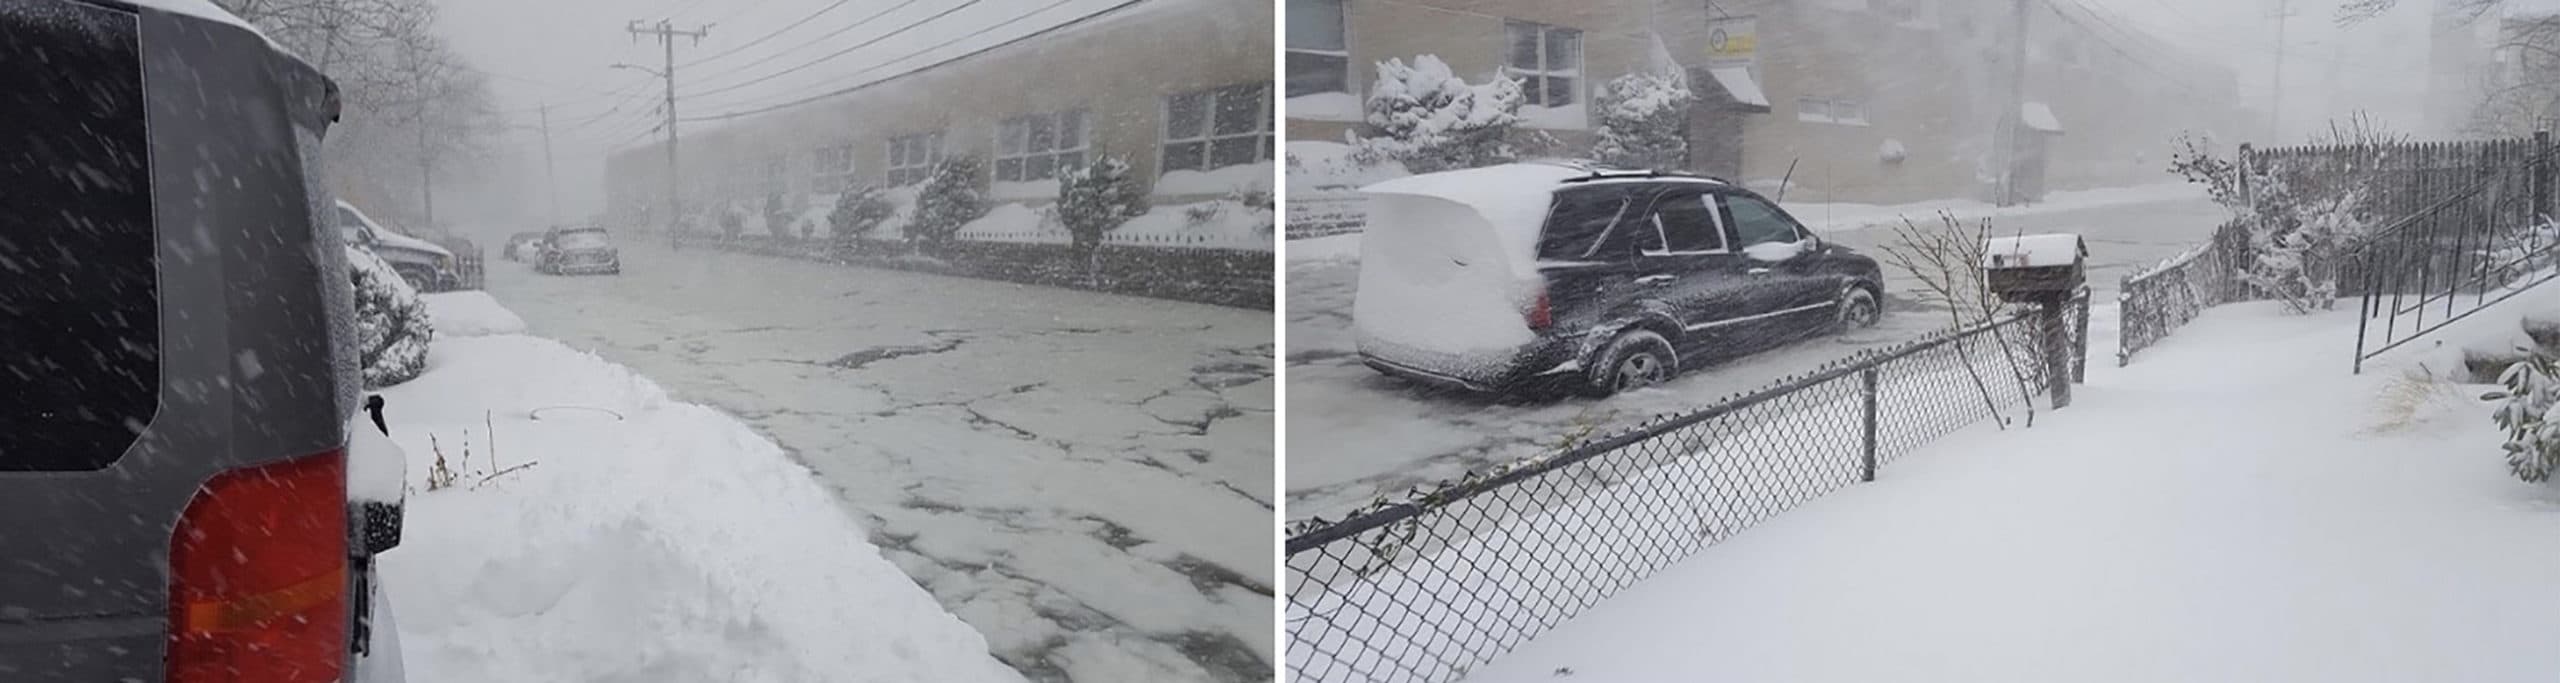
[[1655, 280], [1758, 271]]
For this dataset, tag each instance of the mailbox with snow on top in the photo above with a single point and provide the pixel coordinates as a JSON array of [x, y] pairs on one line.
[[2049, 271]]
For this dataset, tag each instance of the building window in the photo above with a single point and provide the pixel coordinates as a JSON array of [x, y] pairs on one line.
[[1216, 128], [912, 157], [1038, 146], [831, 169], [1319, 57], [1840, 111], [1548, 62]]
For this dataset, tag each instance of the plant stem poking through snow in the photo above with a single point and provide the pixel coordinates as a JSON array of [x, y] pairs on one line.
[[1947, 259]]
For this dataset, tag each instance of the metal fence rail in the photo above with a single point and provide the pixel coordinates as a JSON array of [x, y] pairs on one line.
[[1425, 590], [2486, 239], [2158, 301]]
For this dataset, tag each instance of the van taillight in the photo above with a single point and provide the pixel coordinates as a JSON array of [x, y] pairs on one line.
[[1539, 316], [258, 575]]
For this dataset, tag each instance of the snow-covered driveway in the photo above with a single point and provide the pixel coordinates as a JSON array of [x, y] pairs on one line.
[[1356, 434], [1084, 478]]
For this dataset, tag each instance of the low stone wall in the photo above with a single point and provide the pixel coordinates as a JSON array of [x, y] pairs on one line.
[[1226, 277]]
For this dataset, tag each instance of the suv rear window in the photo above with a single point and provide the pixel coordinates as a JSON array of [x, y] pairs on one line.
[[1580, 219], [79, 290]]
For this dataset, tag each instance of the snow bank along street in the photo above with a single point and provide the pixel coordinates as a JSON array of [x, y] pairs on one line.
[[1085, 478], [2233, 506], [607, 544], [1360, 433]]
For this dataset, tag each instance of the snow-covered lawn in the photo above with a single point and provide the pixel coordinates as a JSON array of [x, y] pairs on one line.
[[1357, 434], [631, 536], [470, 314], [2233, 506]]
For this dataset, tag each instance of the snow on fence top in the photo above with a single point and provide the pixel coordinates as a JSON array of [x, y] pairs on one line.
[[2033, 251]]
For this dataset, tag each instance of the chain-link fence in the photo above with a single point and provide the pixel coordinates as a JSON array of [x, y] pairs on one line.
[[2158, 301], [1426, 589]]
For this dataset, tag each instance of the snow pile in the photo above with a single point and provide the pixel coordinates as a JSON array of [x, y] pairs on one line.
[[2260, 538], [1253, 177], [471, 314], [632, 537], [1840, 216], [1317, 167], [1325, 106], [1013, 222], [1223, 224]]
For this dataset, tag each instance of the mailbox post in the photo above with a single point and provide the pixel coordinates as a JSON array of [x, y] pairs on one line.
[[2045, 270]]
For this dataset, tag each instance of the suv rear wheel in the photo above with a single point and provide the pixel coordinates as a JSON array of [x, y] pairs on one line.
[[1633, 360]]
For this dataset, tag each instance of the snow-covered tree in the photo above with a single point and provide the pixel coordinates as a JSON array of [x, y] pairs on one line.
[[858, 211], [2301, 221], [733, 221], [1096, 198], [777, 216], [1644, 120], [392, 328], [2525, 413], [1431, 120], [955, 195]]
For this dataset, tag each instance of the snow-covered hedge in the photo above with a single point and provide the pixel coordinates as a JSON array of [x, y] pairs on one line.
[[392, 326], [1431, 120], [1644, 120]]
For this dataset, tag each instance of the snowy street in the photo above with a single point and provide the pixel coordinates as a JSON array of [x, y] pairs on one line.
[[1357, 434], [2232, 506], [1065, 471]]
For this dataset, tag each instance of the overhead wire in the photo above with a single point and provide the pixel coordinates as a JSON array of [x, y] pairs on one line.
[[755, 109], [867, 43]]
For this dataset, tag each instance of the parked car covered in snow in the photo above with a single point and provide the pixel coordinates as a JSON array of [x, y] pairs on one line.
[[427, 266], [523, 247], [183, 499], [568, 251], [1493, 278]]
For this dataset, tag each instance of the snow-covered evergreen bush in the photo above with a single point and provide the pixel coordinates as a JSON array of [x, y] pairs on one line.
[[1644, 121], [1431, 120], [955, 195], [392, 329], [777, 217], [2532, 390], [1096, 198], [858, 211], [733, 221]]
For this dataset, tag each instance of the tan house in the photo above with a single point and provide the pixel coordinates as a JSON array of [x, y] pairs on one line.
[[1843, 100], [1179, 88]]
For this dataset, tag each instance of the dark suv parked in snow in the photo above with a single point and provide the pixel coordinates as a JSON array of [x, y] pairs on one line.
[[1490, 278], [176, 379]]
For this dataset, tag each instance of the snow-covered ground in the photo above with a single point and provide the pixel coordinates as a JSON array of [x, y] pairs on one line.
[[2233, 506], [1356, 434], [1084, 478], [606, 546]]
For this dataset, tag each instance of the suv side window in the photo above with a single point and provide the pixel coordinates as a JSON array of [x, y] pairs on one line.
[[1688, 225], [1756, 222], [79, 253]]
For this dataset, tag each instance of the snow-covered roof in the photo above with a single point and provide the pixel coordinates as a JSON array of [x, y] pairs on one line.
[[2039, 118], [1737, 81], [2033, 251]]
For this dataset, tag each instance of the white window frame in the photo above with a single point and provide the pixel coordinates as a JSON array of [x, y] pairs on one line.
[[1828, 110], [826, 178], [1343, 53], [1535, 80], [1662, 234], [1023, 154], [1209, 135], [917, 170]]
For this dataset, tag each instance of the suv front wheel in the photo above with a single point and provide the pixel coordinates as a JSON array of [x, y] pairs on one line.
[[1858, 308], [1633, 360]]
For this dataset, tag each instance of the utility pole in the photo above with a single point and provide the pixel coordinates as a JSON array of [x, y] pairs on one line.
[[666, 33], [2275, 111], [2006, 133], [550, 172], [427, 175]]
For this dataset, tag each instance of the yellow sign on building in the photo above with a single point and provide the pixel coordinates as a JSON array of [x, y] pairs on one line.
[[1732, 41]]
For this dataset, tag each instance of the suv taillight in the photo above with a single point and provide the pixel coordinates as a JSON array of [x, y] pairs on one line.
[[258, 575], [1539, 315]]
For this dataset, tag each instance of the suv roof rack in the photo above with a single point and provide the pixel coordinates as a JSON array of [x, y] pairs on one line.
[[1614, 174]]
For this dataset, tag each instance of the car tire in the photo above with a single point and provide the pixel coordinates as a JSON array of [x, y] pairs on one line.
[[1858, 308], [1634, 359]]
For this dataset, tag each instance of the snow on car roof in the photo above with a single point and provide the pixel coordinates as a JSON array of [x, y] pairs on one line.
[[1513, 198]]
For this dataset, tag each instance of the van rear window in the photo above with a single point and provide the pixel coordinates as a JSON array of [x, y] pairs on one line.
[[79, 291]]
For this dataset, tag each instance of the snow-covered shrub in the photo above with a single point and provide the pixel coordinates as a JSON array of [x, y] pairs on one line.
[[1096, 198], [733, 221], [1892, 152], [1644, 121], [955, 195], [858, 211], [777, 217], [1431, 120], [2300, 224], [392, 328], [2532, 389]]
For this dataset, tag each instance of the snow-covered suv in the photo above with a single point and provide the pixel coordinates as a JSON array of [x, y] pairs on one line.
[[180, 499], [1490, 278], [427, 267]]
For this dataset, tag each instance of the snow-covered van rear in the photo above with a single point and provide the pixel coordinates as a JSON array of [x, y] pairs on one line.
[[1487, 279]]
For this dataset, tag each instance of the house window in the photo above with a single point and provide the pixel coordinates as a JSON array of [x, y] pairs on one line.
[[1548, 62], [1840, 111], [911, 157], [1216, 128], [1038, 146], [831, 169], [1319, 58]]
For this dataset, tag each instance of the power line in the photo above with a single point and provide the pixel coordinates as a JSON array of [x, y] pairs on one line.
[[813, 16], [841, 30], [872, 41], [885, 64]]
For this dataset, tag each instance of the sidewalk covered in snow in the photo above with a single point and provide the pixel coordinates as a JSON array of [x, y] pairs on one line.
[[2233, 506]]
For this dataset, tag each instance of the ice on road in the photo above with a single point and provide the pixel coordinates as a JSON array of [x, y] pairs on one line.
[[1084, 478]]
